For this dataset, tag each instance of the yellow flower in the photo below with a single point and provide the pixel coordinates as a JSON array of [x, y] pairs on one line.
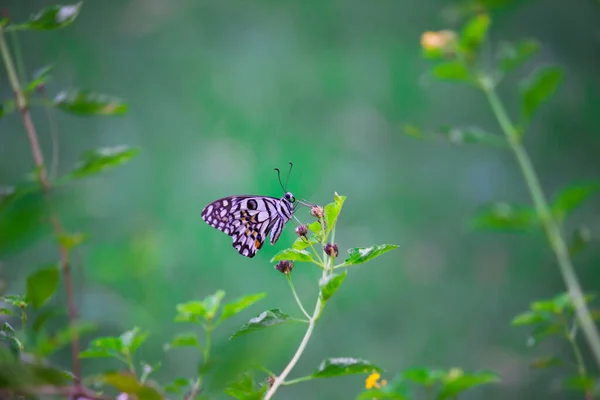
[[371, 380], [440, 40]]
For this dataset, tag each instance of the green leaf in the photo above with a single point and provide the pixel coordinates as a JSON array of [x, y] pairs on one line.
[[580, 238], [383, 393], [569, 198], [47, 345], [341, 366], [538, 88], [132, 339], [332, 211], [6, 311], [41, 285], [15, 300], [177, 385], [127, 383], [234, 307], [264, 320], [103, 347], [40, 78], [530, 318], [360, 255], [192, 311], [292, 255], [452, 71], [330, 284], [212, 302], [188, 339], [506, 217], [96, 353], [472, 135], [244, 389], [457, 382], [303, 243], [513, 56], [95, 161], [474, 32], [84, 103], [70, 241], [54, 17], [581, 383], [546, 362], [544, 331], [423, 376]]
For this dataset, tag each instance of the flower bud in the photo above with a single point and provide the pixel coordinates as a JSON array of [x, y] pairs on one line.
[[331, 250], [301, 230], [285, 266], [317, 211]]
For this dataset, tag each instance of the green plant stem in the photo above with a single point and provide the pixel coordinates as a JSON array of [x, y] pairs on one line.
[[297, 380], [205, 356], [289, 279], [545, 215], [320, 304], [46, 186]]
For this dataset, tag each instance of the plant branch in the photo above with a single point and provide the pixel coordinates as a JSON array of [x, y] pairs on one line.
[[205, 355], [46, 186], [289, 279], [545, 215]]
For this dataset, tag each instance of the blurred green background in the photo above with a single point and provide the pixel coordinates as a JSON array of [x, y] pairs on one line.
[[221, 92]]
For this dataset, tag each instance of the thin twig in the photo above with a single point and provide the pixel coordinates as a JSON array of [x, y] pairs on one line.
[[46, 186]]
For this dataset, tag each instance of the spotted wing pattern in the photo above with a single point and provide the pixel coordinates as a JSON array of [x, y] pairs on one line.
[[247, 219]]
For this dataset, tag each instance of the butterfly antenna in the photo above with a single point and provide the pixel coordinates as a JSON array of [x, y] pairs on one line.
[[279, 178], [288, 177]]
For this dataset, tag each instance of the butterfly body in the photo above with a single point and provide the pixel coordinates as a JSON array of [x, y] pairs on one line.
[[249, 219]]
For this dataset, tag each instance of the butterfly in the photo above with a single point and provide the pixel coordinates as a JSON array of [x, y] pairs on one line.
[[249, 219]]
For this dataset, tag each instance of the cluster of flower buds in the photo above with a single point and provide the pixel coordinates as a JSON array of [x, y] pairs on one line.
[[302, 230], [331, 250], [317, 211]]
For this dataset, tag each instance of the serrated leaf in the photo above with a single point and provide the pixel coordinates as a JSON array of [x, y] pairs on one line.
[[452, 71], [332, 211], [188, 339], [360, 255], [41, 285], [54, 17], [212, 302], [292, 255], [539, 88], [85, 103], [70, 241], [569, 198], [511, 56], [330, 284], [474, 32], [506, 217], [234, 307], [546, 362], [127, 383], [453, 385], [340, 366], [95, 161], [264, 320], [472, 135]]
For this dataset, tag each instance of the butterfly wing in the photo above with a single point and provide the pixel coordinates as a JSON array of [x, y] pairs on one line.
[[247, 219]]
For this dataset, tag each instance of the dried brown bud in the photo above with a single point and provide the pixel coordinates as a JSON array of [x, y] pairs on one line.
[[317, 211], [301, 230], [331, 250], [270, 380], [285, 266]]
